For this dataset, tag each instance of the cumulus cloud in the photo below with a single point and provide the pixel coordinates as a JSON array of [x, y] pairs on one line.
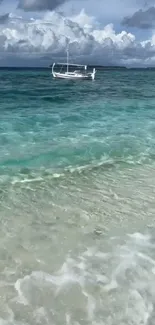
[[141, 19], [44, 40]]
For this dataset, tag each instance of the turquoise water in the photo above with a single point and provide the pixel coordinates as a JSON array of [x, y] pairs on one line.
[[53, 125], [77, 189]]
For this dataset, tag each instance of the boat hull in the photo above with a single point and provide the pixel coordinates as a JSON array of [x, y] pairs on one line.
[[71, 76]]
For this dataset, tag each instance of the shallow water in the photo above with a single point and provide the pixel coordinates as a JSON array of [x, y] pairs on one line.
[[77, 189]]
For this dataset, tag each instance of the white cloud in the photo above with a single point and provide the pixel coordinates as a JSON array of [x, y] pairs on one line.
[[36, 40]]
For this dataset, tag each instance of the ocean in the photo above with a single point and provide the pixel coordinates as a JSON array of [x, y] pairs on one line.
[[77, 199]]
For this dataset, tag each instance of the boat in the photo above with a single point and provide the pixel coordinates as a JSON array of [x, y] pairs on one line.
[[76, 74]]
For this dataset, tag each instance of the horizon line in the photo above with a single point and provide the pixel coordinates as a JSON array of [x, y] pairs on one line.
[[88, 65]]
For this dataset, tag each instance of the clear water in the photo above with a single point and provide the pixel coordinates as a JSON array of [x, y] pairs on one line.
[[77, 199]]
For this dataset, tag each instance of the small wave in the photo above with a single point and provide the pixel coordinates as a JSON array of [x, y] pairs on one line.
[[25, 175], [42, 175], [54, 99]]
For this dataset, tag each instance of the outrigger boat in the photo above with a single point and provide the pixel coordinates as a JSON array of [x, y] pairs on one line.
[[73, 75]]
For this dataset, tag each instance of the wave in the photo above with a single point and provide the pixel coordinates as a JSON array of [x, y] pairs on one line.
[[105, 164]]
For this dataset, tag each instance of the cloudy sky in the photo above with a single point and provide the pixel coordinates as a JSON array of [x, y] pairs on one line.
[[113, 32]]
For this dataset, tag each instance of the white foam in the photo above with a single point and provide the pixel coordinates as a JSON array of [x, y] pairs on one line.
[[140, 238], [138, 309], [40, 315], [115, 284], [91, 306], [21, 297], [26, 180]]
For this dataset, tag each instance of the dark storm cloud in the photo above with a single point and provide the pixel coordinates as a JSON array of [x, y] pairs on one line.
[[141, 19], [39, 5], [4, 18]]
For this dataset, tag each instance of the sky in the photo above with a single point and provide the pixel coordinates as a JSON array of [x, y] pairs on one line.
[[113, 32]]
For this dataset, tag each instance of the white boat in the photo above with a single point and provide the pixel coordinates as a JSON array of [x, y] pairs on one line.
[[73, 75]]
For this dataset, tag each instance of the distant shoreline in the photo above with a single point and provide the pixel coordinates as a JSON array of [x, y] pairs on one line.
[[99, 67]]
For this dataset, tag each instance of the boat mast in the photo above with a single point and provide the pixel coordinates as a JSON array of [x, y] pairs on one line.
[[67, 57]]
